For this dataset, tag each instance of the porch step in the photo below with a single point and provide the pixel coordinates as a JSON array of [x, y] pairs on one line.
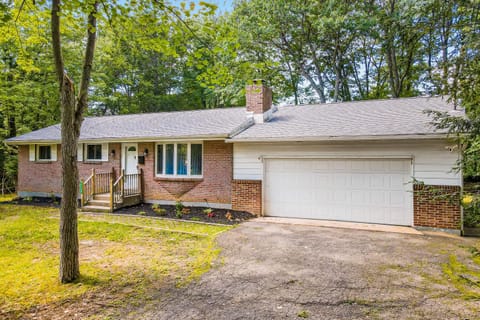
[[102, 196], [95, 208], [99, 203]]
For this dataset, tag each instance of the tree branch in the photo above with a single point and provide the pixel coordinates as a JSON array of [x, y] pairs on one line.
[[56, 42], [88, 61]]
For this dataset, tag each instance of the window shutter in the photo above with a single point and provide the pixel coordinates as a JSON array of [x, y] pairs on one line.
[[104, 151], [53, 152], [80, 152], [31, 153]]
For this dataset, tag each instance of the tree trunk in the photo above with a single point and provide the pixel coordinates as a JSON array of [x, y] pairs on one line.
[[69, 264], [72, 109]]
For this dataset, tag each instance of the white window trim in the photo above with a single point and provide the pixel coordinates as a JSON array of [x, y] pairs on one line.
[[103, 157], [37, 153], [175, 175]]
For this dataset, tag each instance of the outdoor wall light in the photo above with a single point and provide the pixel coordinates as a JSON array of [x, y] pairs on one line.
[[112, 153], [145, 153]]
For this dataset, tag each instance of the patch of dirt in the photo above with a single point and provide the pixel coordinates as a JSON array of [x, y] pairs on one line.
[[222, 216]]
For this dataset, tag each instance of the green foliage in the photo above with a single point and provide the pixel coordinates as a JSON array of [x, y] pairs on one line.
[[158, 210], [303, 314], [178, 209], [465, 278]]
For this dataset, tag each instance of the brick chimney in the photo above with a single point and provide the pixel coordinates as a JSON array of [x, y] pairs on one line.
[[259, 100]]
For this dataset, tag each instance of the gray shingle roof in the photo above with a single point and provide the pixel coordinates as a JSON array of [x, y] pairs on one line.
[[392, 117], [165, 125], [348, 120]]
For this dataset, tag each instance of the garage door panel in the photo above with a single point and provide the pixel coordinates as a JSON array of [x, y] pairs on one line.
[[364, 190]]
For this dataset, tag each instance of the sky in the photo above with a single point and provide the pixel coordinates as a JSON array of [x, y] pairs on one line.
[[223, 5]]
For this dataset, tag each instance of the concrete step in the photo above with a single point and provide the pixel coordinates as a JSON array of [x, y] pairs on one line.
[[90, 208], [99, 203]]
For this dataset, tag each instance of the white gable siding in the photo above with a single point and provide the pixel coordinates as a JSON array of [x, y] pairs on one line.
[[432, 161]]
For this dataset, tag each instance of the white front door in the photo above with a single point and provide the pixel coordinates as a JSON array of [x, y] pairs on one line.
[[360, 190], [130, 155]]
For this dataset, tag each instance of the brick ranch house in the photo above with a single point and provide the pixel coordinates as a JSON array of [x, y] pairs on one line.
[[350, 161]]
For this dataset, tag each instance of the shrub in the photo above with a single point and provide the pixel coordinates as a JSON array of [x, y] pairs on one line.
[[178, 209], [471, 211]]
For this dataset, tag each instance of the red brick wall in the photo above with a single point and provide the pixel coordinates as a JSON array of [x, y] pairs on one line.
[[247, 196], [433, 209], [259, 98], [47, 176], [214, 187]]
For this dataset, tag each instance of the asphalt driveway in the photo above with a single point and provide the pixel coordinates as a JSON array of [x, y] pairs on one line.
[[277, 271]]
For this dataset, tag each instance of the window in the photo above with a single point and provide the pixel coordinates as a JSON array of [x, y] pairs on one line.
[[179, 159], [44, 153], [94, 152]]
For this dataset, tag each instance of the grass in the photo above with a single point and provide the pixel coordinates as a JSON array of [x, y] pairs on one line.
[[465, 276], [121, 259]]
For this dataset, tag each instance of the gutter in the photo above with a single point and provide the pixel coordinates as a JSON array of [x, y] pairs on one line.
[[340, 138], [119, 140]]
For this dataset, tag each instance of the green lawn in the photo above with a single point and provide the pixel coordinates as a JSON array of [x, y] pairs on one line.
[[123, 260]]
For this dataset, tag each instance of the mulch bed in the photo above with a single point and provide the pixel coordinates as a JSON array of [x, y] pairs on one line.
[[35, 201], [222, 216]]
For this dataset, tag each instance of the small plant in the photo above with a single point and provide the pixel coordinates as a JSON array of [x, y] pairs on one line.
[[142, 213], [185, 210], [209, 212], [53, 197], [303, 314], [158, 210], [27, 199], [178, 209], [229, 216]]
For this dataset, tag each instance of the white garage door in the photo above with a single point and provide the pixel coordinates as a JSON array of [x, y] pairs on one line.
[[361, 190]]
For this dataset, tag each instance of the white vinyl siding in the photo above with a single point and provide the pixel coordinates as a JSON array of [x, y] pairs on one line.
[[37, 152], [432, 161]]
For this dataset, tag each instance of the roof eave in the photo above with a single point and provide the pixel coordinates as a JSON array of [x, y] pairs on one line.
[[343, 138], [119, 140]]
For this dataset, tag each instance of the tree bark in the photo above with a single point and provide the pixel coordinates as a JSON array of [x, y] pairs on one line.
[[72, 109]]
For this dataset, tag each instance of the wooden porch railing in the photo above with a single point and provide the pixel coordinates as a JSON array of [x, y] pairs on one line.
[[127, 189], [96, 183]]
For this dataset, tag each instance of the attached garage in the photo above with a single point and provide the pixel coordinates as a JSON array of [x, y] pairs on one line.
[[348, 189], [375, 161]]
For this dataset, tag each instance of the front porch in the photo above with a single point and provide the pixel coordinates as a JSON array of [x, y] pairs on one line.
[[105, 192]]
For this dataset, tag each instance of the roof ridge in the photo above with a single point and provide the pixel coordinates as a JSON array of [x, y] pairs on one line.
[[364, 101]]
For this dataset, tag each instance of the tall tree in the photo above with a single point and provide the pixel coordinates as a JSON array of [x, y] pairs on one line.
[[72, 109]]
